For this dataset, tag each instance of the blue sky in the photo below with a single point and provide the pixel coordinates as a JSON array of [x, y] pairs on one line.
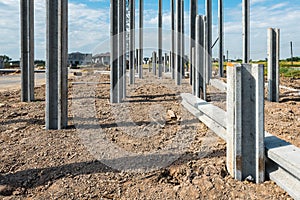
[[89, 26]]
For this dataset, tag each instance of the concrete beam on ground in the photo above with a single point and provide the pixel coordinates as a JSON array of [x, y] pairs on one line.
[[209, 40], [246, 30], [51, 116], [172, 58], [160, 61], [24, 49], [245, 142], [62, 64], [178, 68], [221, 37], [219, 84], [193, 14], [209, 122], [141, 38], [200, 83], [273, 64], [114, 51], [132, 43]]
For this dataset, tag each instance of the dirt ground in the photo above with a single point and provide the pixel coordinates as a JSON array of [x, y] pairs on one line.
[[128, 151]]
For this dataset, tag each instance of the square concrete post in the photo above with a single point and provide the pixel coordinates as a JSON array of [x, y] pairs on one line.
[[172, 58], [245, 122], [24, 50], [182, 40], [120, 50], [246, 31], [62, 64], [124, 77], [52, 65], [207, 58], [132, 43], [27, 50], [209, 40], [1, 63], [30, 50], [170, 61], [137, 60], [200, 84], [154, 56], [166, 63], [141, 38], [221, 38], [160, 61], [114, 88], [193, 65], [193, 14], [273, 64], [178, 68]]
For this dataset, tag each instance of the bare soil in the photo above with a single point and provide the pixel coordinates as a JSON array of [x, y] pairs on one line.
[[60, 164]]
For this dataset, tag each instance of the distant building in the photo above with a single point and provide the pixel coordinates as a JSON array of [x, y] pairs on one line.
[[1, 63], [78, 58], [102, 58]]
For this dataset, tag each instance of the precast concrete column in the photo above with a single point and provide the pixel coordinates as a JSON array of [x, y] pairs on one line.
[[221, 38], [141, 38], [209, 39], [172, 54], [132, 42], [273, 64], [245, 122], [166, 63], [114, 51], [120, 49], [154, 56], [182, 40], [193, 14], [24, 49], [170, 63], [62, 64], [246, 31], [51, 116], [200, 84], [160, 63], [137, 60], [31, 50], [178, 68], [193, 65], [124, 50]]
